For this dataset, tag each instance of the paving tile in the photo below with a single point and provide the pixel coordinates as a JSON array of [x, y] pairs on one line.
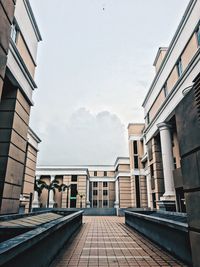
[[107, 241]]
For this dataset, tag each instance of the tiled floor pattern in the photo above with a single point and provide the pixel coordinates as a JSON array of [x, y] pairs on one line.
[[107, 241], [32, 221]]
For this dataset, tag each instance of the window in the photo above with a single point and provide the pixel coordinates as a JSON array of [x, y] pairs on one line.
[[95, 184], [198, 35], [95, 173], [137, 187], [74, 178], [95, 203], [147, 118], [105, 192], [105, 203], [136, 162], [179, 67], [165, 90], [14, 32], [105, 184], [95, 192], [175, 166], [105, 174], [135, 148]]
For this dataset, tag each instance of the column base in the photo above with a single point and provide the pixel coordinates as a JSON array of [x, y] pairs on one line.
[[52, 204], [36, 204], [116, 205], [167, 205], [88, 204]]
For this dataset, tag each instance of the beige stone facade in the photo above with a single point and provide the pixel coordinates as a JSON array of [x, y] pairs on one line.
[[89, 186], [176, 68], [19, 37]]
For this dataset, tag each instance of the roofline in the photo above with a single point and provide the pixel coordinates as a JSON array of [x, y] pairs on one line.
[[34, 135], [135, 124], [33, 20], [169, 50], [158, 54]]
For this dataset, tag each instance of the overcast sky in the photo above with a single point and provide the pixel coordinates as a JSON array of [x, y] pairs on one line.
[[94, 70]]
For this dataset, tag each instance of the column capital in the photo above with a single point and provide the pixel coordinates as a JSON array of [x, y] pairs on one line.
[[37, 177], [52, 177], [164, 126]]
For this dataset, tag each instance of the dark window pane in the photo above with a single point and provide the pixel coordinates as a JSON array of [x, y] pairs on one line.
[[95, 184], [137, 186], [95, 192], [135, 148], [74, 178], [136, 162], [105, 173], [105, 184], [105, 192]]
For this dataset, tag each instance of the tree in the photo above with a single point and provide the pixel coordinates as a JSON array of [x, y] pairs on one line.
[[62, 188], [40, 185], [81, 195]]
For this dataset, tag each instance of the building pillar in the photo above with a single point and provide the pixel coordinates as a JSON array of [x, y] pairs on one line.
[[117, 194], [168, 199], [51, 194], [88, 193], [36, 203]]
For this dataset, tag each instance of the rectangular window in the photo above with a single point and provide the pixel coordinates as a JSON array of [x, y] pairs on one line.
[[74, 178], [198, 35], [95, 192], [137, 187], [154, 200], [135, 148], [165, 90], [136, 162], [14, 32], [105, 184], [175, 163], [95, 203], [105, 192], [179, 67], [95, 184], [147, 118], [105, 203], [95, 173], [105, 174]]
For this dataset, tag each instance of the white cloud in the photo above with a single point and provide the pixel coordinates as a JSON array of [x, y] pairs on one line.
[[85, 139]]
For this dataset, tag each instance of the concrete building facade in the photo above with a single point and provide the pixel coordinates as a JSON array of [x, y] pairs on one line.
[[96, 186], [19, 37], [176, 68]]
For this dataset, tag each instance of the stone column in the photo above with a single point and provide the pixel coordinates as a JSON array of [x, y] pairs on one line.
[[36, 203], [168, 165], [51, 194], [88, 193], [117, 194]]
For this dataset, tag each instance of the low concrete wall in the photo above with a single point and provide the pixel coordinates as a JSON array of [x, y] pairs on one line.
[[39, 247], [99, 211], [171, 235]]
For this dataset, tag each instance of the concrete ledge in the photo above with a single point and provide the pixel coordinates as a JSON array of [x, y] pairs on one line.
[[38, 247], [172, 235]]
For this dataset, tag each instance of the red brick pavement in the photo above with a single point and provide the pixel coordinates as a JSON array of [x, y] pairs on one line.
[[107, 241]]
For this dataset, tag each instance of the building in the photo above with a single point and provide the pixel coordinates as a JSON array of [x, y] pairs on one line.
[[27, 188], [176, 68], [138, 166], [95, 186], [19, 37]]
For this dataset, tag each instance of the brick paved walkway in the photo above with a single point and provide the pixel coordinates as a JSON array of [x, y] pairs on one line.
[[107, 241]]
